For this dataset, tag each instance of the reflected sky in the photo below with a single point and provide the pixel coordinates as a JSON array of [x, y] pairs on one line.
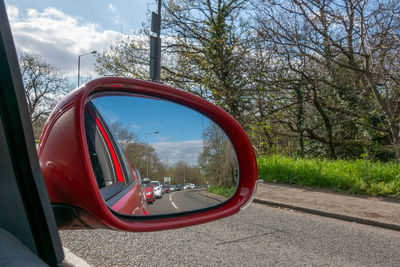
[[180, 128]]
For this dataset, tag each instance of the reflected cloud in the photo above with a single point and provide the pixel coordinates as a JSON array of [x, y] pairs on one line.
[[173, 152], [135, 127], [162, 138]]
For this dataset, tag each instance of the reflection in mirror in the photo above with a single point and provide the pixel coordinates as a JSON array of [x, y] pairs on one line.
[[152, 156]]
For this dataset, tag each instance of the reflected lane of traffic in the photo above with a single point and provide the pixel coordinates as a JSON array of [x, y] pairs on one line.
[[181, 201]]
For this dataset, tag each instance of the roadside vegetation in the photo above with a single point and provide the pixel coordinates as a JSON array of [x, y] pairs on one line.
[[351, 176], [222, 190], [315, 80]]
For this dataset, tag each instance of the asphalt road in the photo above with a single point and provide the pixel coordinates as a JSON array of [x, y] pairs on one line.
[[257, 236], [179, 201]]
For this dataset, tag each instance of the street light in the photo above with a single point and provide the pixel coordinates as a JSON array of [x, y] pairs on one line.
[[79, 63], [147, 154]]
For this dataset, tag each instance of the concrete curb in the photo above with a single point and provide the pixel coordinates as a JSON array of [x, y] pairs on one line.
[[209, 195], [72, 260], [329, 214]]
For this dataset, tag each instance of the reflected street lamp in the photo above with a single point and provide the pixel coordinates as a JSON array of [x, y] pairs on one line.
[[79, 63], [147, 154]]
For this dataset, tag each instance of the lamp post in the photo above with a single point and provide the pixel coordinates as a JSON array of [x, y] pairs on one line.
[[79, 63], [147, 154]]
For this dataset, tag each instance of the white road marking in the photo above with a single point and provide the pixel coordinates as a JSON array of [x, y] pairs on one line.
[[170, 199], [173, 204]]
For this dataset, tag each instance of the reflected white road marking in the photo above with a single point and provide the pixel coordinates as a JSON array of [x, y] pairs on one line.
[[170, 199]]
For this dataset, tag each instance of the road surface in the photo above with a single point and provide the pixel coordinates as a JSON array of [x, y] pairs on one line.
[[258, 236]]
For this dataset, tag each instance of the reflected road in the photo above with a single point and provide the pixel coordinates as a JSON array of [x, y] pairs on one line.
[[179, 201]]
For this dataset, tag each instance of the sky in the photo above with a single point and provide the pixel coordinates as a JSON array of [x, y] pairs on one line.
[[179, 129], [60, 30]]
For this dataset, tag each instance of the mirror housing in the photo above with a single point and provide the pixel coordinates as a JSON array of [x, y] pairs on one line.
[[70, 180]]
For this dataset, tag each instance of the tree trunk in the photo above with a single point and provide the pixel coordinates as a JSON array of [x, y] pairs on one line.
[[328, 126]]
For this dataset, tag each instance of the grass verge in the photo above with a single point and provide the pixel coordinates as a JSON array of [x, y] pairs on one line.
[[350, 176], [221, 190]]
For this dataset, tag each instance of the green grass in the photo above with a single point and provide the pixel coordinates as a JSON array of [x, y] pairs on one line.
[[351, 176], [222, 190]]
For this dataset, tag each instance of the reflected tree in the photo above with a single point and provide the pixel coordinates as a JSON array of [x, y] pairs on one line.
[[139, 154], [218, 160], [123, 135], [182, 173]]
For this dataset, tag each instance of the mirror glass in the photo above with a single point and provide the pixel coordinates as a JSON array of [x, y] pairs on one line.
[[152, 156]]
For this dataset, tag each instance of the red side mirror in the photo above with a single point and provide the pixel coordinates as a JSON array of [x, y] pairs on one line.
[[72, 180]]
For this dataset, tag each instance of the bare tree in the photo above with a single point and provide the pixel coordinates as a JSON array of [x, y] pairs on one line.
[[207, 44], [44, 86], [340, 53], [128, 57]]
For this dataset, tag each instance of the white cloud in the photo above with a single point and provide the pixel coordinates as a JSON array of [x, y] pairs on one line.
[[173, 152], [116, 18], [58, 37], [112, 8], [12, 12]]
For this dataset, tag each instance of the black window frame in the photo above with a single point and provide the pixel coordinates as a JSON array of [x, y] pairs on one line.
[[26, 215]]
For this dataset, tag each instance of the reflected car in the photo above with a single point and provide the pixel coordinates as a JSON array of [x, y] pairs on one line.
[[157, 188], [149, 193], [179, 187], [162, 187], [166, 188]]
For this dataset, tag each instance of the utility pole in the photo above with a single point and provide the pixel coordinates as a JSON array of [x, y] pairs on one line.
[[155, 44]]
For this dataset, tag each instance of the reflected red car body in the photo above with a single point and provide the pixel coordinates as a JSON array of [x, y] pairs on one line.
[[132, 202]]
